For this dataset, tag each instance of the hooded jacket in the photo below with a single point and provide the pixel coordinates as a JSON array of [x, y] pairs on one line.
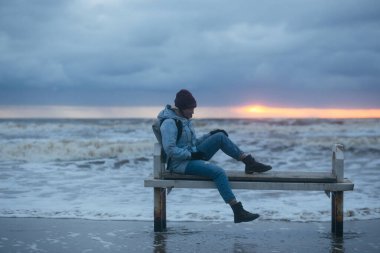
[[178, 152]]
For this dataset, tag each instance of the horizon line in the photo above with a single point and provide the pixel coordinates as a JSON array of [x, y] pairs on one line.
[[206, 112]]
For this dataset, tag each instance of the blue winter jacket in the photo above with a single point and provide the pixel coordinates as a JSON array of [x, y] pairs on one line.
[[179, 152]]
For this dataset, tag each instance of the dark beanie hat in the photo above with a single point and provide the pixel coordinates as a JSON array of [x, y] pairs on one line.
[[185, 100]]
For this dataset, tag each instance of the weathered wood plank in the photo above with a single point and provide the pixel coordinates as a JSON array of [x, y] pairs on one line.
[[285, 176], [338, 162], [157, 165], [346, 185]]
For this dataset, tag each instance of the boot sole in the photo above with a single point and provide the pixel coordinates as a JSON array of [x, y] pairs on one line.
[[254, 218], [261, 171]]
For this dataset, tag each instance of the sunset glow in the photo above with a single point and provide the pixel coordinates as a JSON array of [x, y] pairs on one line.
[[257, 111]]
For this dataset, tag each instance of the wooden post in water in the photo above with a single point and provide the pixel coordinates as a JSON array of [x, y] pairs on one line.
[[159, 193], [337, 196], [159, 209]]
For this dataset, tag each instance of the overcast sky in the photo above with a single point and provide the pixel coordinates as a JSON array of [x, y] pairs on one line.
[[294, 53]]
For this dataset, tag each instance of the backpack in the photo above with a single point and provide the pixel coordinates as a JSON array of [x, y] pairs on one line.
[[157, 132]]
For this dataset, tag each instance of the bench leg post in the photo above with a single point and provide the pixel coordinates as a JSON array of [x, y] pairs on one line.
[[337, 213], [159, 209]]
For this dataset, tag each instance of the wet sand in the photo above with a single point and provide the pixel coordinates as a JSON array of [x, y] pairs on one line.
[[77, 235]]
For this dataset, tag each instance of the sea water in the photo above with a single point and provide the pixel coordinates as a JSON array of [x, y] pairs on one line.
[[95, 169]]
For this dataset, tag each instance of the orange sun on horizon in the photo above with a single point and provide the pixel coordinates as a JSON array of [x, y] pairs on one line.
[[261, 111]]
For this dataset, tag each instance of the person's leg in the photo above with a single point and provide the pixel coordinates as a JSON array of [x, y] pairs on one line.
[[218, 141], [217, 174]]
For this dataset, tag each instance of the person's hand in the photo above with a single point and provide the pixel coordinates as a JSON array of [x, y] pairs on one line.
[[218, 131], [198, 155]]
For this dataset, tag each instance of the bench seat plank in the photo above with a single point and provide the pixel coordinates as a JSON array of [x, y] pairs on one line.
[[346, 185], [276, 176]]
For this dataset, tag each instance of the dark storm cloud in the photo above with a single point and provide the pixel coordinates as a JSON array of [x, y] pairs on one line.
[[293, 53]]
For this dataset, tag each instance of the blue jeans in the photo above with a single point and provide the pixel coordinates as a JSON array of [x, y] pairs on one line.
[[210, 146]]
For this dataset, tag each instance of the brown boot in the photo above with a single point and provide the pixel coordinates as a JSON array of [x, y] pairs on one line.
[[241, 215], [252, 166]]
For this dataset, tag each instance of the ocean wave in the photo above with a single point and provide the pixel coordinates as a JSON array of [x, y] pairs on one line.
[[188, 215], [94, 169], [72, 150], [64, 129]]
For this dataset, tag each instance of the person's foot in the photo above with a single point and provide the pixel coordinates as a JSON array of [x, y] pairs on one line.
[[241, 215], [252, 166]]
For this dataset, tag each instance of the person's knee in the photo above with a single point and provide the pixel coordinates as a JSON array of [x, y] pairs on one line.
[[220, 135], [219, 172]]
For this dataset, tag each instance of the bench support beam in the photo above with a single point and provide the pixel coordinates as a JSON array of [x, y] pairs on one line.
[[159, 209], [337, 213], [337, 196]]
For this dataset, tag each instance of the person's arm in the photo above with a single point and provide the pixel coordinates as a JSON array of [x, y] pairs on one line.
[[169, 141], [202, 138], [205, 136]]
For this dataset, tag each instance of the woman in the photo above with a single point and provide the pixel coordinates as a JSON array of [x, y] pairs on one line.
[[188, 154]]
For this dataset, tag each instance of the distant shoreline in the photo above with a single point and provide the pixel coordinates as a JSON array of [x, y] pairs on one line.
[[195, 118], [228, 112]]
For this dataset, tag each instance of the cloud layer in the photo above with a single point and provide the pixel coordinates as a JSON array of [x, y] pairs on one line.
[[291, 53]]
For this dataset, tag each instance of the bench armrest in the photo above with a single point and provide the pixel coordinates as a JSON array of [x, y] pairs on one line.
[[338, 162]]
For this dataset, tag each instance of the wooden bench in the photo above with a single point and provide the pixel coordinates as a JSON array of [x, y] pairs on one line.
[[333, 183]]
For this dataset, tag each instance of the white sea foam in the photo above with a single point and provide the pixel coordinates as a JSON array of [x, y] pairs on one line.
[[95, 169]]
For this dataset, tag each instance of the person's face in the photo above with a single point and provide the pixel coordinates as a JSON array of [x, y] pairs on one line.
[[188, 113]]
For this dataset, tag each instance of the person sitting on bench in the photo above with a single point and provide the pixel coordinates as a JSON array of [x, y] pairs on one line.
[[187, 154]]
